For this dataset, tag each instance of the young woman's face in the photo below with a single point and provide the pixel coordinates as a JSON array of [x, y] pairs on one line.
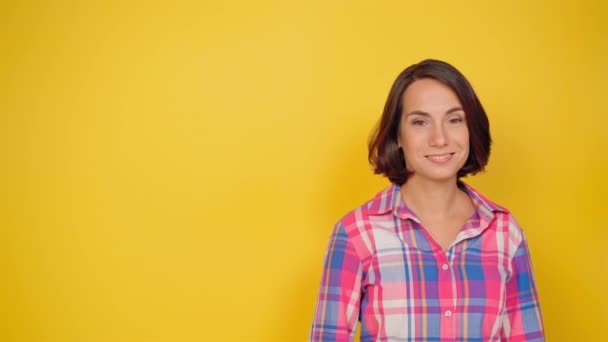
[[433, 132]]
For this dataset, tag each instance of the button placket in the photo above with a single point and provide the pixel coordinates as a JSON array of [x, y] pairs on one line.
[[446, 292]]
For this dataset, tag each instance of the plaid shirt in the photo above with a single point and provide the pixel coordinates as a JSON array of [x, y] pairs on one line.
[[384, 269]]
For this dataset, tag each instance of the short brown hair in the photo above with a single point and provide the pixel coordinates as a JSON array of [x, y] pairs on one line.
[[384, 152]]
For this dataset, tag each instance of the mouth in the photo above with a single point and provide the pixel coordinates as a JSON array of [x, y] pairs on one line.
[[440, 158]]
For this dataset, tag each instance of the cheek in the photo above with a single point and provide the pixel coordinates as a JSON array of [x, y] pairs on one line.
[[462, 136], [411, 146], [465, 141], [410, 138]]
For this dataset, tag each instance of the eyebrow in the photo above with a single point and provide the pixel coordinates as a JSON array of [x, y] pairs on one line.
[[449, 111]]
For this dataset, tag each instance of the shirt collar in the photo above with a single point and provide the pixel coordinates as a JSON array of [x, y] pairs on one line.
[[390, 200]]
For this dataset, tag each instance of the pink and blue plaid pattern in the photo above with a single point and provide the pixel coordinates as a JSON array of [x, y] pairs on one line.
[[384, 269]]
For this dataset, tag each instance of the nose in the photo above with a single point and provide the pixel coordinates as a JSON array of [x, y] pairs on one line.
[[438, 136]]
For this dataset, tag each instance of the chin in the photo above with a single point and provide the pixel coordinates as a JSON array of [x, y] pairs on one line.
[[435, 177]]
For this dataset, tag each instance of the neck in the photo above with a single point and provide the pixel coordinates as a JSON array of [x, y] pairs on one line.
[[427, 197]]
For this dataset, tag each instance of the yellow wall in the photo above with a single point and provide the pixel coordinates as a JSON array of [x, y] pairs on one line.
[[171, 171]]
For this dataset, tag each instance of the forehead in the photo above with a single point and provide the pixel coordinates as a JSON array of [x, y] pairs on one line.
[[428, 93]]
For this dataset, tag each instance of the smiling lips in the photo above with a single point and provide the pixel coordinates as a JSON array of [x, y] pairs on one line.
[[440, 158]]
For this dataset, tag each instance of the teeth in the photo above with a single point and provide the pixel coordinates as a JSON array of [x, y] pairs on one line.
[[439, 157]]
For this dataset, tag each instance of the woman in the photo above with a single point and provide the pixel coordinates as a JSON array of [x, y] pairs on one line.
[[428, 258]]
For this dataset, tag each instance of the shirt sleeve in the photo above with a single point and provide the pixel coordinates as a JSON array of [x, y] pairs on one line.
[[522, 320], [337, 310]]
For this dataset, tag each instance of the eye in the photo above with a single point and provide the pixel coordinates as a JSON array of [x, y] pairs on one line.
[[418, 122], [456, 120]]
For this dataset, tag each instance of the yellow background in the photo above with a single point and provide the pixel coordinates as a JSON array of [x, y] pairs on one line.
[[171, 171]]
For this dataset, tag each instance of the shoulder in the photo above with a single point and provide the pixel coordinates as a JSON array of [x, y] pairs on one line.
[[381, 203], [356, 226], [505, 219], [507, 222], [512, 226]]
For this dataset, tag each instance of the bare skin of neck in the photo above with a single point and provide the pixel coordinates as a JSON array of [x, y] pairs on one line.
[[441, 207]]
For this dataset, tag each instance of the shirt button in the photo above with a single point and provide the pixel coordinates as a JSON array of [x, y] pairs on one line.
[[448, 313], [444, 267]]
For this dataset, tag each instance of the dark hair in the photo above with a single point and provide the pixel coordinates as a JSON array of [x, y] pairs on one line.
[[384, 153]]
